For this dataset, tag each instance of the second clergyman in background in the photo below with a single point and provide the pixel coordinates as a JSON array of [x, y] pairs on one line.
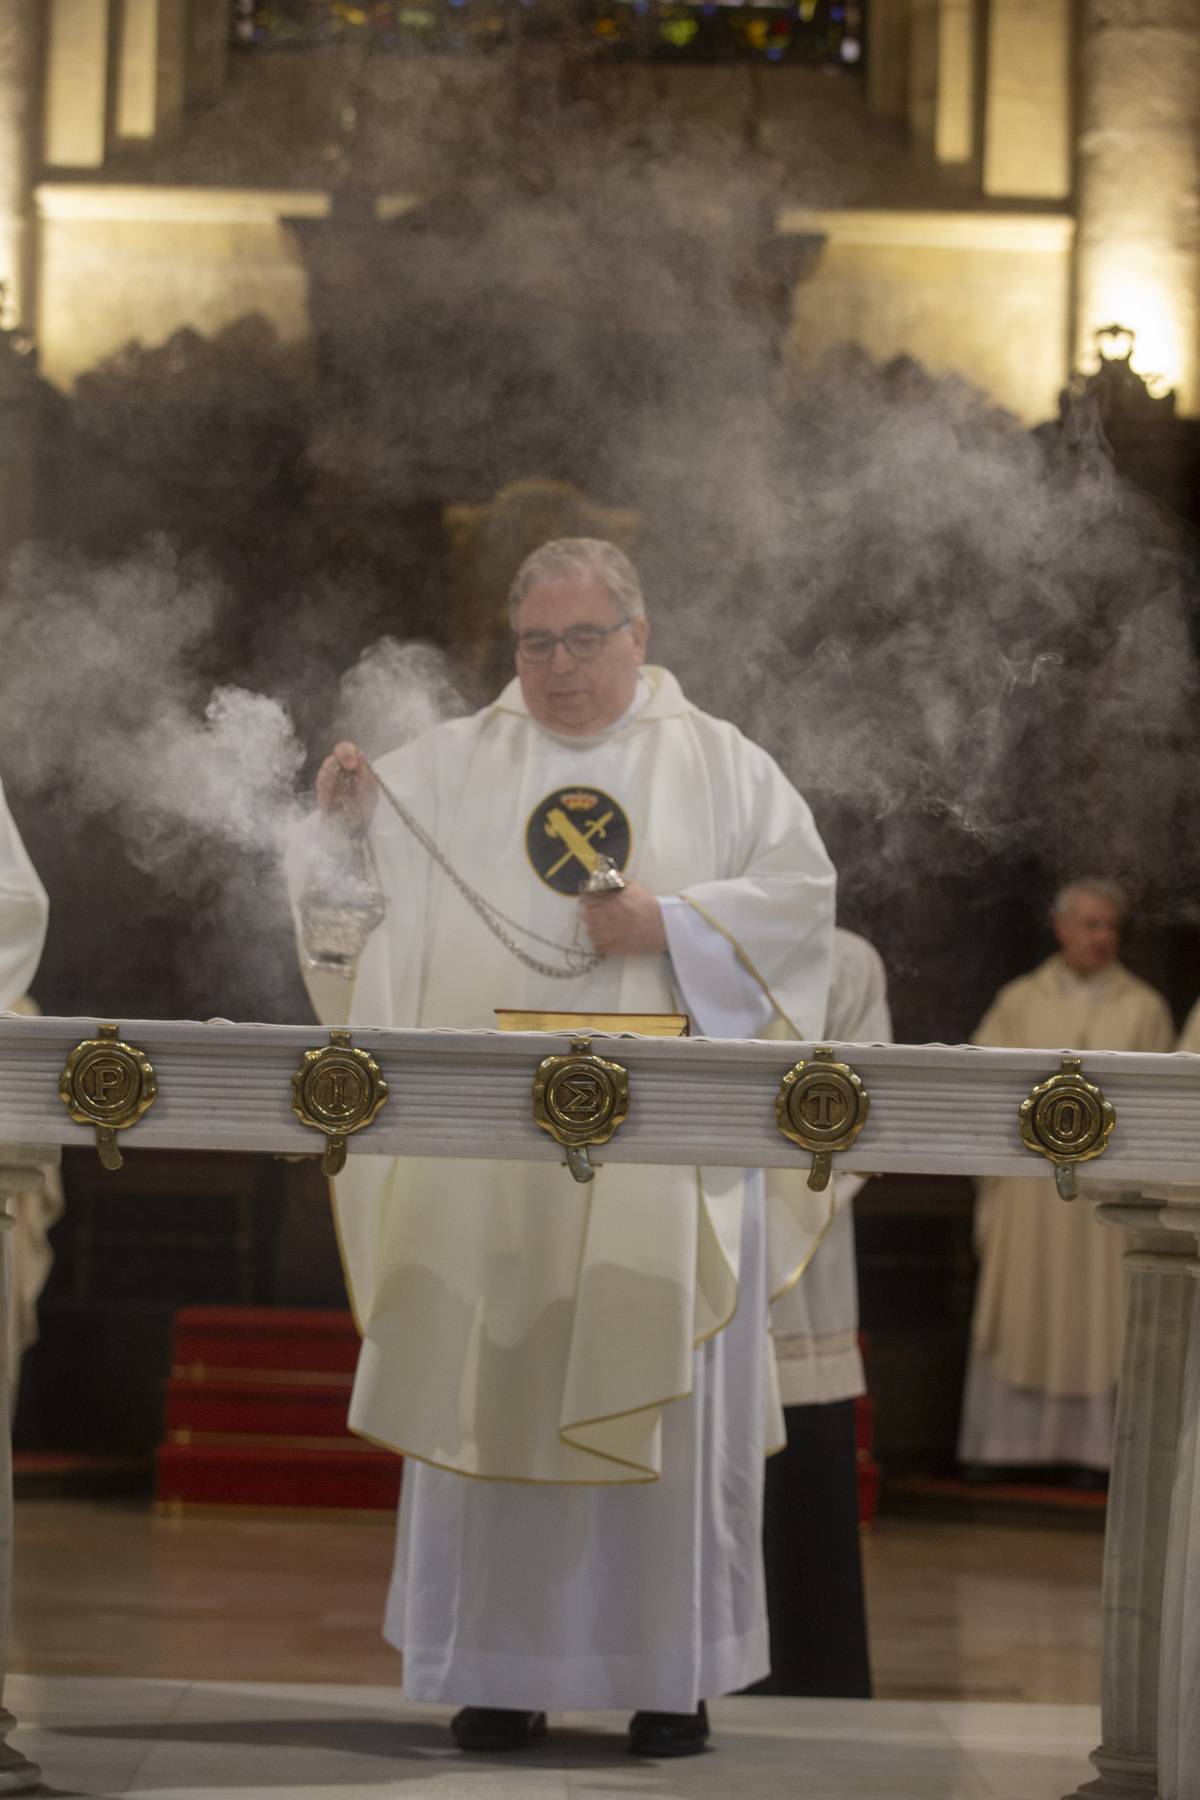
[[1049, 1322]]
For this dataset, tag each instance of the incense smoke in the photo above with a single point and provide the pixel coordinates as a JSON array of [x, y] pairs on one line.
[[969, 645]]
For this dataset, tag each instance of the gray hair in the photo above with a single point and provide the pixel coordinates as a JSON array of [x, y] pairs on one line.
[[1097, 887], [581, 556]]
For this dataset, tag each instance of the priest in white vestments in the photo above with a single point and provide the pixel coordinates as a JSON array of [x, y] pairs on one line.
[[810, 1527], [24, 914], [581, 1376], [1049, 1321]]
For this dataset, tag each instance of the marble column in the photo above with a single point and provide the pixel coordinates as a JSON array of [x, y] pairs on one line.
[[1138, 179], [1027, 100], [1179, 1708], [1135, 1547], [19, 42], [18, 1173]]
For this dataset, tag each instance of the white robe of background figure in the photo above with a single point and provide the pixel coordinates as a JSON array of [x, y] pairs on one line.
[[811, 1515], [33, 1208], [1048, 1329], [580, 1375]]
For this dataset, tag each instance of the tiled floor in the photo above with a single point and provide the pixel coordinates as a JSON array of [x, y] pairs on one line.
[[957, 1611], [247, 1622], [168, 1740]]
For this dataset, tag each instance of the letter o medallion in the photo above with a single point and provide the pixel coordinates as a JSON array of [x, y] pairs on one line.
[[1067, 1120]]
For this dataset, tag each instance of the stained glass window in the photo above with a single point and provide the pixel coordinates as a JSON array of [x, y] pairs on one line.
[[697, 31]]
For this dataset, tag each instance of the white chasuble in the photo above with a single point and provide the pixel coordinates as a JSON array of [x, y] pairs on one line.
[[597, 1354], [517, 1325]]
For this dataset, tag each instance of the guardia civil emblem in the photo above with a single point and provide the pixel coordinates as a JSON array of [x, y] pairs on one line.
[[569, 829]]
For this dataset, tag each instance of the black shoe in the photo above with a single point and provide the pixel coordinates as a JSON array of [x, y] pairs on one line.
[[496, 1728], [668, 1734]]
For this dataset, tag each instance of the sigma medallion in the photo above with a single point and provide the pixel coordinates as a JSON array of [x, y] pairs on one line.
[[580, 1099], [569, 829], [337, 1090], [822, 1106]]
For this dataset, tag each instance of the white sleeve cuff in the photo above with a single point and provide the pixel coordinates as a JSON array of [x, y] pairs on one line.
[[722, 998]]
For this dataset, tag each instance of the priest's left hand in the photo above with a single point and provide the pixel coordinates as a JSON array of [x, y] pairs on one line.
[[626, 923]]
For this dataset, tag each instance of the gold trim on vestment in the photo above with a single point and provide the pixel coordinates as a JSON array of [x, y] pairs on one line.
[[744, 960], [520, 1480], [749, 966], [818, 1241]]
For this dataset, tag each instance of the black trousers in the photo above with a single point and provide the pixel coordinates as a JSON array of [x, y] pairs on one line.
[[813, 1559]]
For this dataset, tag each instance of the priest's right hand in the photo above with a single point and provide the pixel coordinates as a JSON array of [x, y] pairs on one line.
[[345, 787]]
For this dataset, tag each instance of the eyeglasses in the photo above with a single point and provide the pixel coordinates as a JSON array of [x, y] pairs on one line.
[[582, 642]]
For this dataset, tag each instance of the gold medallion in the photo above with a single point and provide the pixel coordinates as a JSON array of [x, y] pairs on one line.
[[822, 1106], [337, 1090], [580, 1099], [1067, 1120], [107, 1084]]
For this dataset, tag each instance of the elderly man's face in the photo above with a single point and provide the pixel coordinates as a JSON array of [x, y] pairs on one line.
[[573, 694], [1089, 933]]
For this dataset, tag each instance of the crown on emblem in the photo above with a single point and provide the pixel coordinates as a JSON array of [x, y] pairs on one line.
[[579, 801]]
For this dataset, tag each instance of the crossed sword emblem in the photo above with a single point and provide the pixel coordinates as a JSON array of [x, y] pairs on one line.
[[579, 843]]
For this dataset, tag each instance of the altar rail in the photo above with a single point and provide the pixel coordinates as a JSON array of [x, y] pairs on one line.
[[935, 1109]]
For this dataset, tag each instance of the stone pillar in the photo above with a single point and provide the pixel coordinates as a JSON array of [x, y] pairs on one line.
[[19, 45], [923, 74], [1179, 1707], [151, 68], [954, 132], [1027, 126], [17, 1774], [76, 101], [207, 50], [888, 27], [1138, 245], [137, 70], [1135, 1545]]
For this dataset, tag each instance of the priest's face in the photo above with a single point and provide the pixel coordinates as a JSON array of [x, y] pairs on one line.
[[574, 693], [1089, 933]]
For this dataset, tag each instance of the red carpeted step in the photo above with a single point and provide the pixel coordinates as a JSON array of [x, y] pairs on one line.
[[256, 1414], [282, 1339], [868, 1492], [233, 1475], [257, 1407]]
